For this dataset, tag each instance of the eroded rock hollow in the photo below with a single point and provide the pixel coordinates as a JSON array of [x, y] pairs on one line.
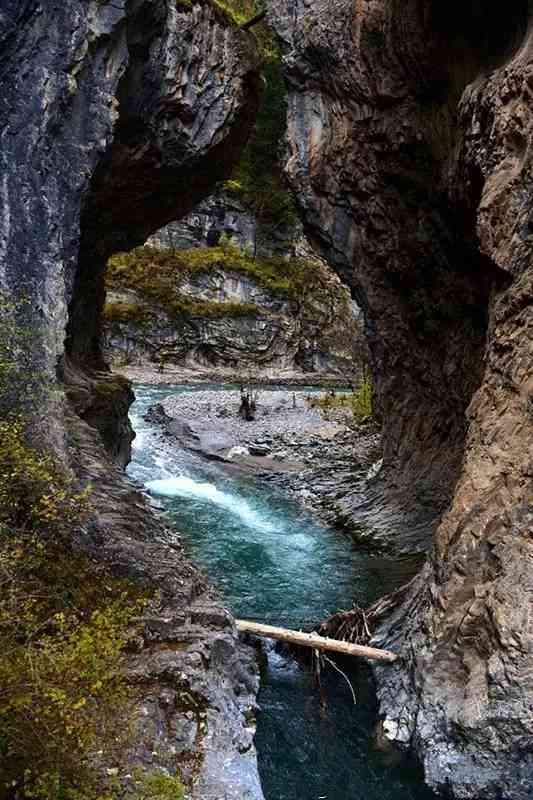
[[409, 149]]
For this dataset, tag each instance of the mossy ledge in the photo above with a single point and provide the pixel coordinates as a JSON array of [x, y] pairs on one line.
[[158, 275], [217, 307]]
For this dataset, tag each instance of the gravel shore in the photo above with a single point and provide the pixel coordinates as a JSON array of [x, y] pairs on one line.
[[319, 458], [281, 414], [174, 376]]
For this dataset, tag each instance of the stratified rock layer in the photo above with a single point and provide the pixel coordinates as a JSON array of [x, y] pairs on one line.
[[117, 117], [225, 320], [410, 127]]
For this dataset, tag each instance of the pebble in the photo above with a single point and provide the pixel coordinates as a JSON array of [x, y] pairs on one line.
[[257, 449], [220, 408]]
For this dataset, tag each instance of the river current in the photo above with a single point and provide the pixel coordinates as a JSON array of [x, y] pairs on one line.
[[273, 562]]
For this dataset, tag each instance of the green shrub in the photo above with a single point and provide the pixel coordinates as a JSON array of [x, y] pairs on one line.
[[158, 785], [360, 402], [64, 625], [64, 622], [33, 492]]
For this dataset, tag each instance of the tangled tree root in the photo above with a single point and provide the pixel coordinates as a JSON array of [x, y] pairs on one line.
[[357, 624], [349, 626]]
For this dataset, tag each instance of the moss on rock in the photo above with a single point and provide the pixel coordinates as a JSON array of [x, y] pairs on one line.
[[158, 274]]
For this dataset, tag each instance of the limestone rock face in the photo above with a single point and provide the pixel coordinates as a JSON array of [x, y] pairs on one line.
[[116, 117], [313, 331], [320, 336], [409, 147], [222, 217]]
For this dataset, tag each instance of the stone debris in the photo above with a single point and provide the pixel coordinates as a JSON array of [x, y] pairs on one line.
[[322, 464]]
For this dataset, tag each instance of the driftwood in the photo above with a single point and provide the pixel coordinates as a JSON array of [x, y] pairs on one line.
[[347, 626], [315, 641], [356, 625], [248, 406]]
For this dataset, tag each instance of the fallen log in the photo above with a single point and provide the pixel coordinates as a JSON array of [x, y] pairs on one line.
[[314, 640]]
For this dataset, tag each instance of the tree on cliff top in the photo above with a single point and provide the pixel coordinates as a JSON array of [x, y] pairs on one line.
[[258, 180]]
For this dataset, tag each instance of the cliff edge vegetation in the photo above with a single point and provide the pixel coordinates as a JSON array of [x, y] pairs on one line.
[[257, 180], [65, 623], [217, 307]]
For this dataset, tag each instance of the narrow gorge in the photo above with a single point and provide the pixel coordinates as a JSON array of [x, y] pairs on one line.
[[266, 346]]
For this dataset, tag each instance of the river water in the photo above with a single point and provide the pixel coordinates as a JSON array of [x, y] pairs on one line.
[[275, 563]]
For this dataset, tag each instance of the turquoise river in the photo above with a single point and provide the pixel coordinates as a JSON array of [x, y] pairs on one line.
[[275, 563]]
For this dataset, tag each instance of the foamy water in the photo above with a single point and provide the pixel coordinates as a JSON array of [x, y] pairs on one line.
[[274, 563], [183, 486]]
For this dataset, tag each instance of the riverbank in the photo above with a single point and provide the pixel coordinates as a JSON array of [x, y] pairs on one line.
[[316, 456], [275, 563], [151, 375]]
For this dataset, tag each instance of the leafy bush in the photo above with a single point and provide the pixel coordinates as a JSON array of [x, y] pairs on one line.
[[32, 491], [360, 402], [64, 625]]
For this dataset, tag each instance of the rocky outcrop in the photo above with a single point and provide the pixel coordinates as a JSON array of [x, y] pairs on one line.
[[224, 320], [409, 152], [366, 174], [223, 218], [117, 117]]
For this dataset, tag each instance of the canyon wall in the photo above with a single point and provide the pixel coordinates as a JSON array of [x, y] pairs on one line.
[[238, 327], [224, 292], [117, 117], [224, 218], [409, 151]]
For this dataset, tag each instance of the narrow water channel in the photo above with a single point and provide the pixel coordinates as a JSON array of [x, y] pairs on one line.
[[275, 563]]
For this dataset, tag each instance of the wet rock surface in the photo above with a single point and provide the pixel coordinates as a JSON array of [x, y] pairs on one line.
[[415, 180]]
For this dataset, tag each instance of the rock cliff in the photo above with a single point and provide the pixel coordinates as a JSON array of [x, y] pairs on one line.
[[223, 309], [117, 117], [223, 217], [409, 152]]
